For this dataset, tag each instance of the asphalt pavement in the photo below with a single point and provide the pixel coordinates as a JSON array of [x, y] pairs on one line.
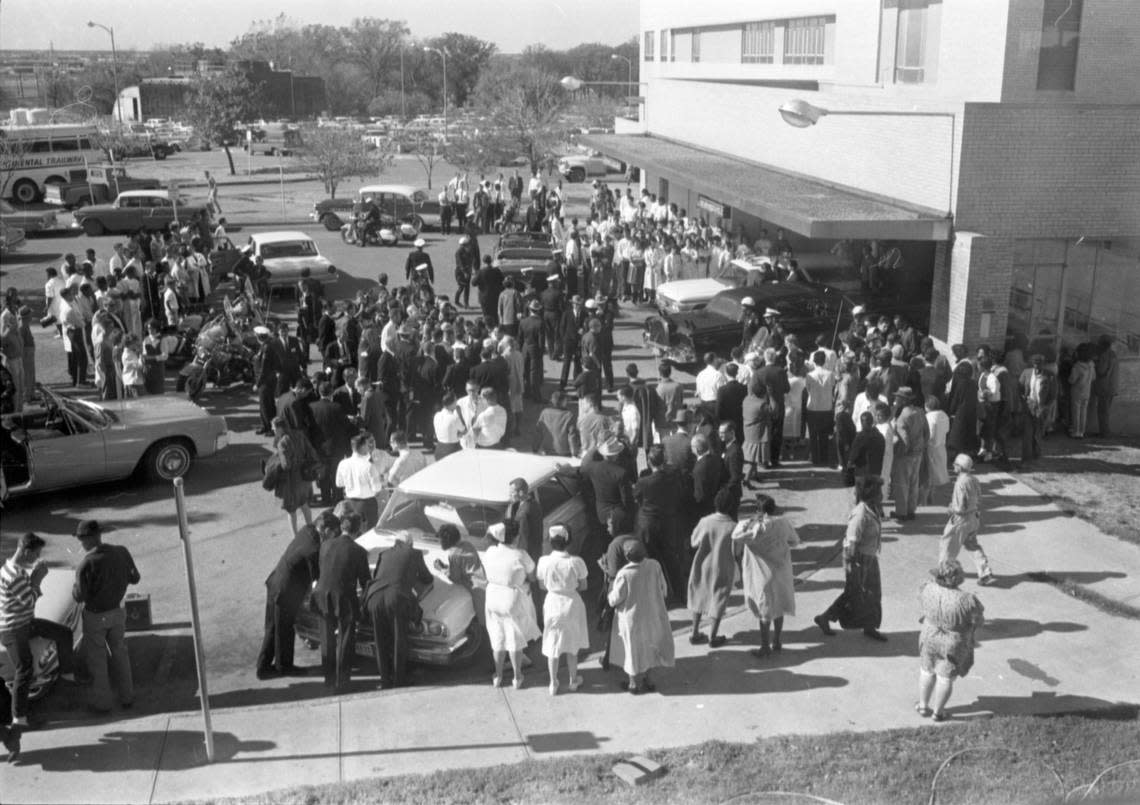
[[1041, 651]]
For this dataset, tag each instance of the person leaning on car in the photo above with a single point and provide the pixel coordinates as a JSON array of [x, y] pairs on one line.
[[343, 568], [20, 579], [101, 582], [391, 602]]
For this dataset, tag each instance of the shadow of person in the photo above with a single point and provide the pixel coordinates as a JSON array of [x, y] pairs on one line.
[[1007, 628], [1048, 703], [738, 674], [142, 750]]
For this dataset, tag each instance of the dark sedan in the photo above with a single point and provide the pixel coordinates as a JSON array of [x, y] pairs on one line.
[[527, 255], [805, 309]]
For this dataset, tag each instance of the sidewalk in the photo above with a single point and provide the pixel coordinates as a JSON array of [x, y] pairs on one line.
[[1041, 652]]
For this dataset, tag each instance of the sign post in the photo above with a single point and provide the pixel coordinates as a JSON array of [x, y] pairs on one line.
[[199, 653]]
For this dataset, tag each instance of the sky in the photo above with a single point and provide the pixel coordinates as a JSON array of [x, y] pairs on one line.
[[143, 24]]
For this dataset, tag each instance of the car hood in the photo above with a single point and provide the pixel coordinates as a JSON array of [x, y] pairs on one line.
[[155, 409], [695, 290], [297, 263]]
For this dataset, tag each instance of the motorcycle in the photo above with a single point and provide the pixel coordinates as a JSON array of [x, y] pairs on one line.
[[223, 365], [381, 235]]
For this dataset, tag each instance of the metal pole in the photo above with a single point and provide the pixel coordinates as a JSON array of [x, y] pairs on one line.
[[443, 52], [115, 74], [281, 172], [199, 653], [403, 96]]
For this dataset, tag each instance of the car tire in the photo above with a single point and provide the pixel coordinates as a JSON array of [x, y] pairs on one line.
[[331, 222], [167, 460], [25, 191], [471, 649], [577, 175], [93, 228], [417, 222]]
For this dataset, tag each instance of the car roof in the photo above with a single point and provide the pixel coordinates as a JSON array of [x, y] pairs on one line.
[[278, 237], [404, 189], [771, 290], [146, 193], [482, 474]]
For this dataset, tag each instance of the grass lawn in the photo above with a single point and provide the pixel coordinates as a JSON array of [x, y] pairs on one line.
[[1004, 760], [1098, 480]]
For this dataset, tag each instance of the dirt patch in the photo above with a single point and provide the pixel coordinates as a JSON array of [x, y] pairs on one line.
[[1097, 479]]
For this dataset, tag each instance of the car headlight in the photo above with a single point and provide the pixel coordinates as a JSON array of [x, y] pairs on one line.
[[222, 440], [332, 269]]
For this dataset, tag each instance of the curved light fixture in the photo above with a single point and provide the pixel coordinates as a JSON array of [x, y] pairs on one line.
[[801, 114], [571, 83]]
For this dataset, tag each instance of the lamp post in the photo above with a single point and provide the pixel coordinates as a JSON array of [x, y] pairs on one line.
[[629, 64], [114, 66], [443, 54], [801, 114]]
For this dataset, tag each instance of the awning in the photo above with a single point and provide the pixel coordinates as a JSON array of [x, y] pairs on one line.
[[810, 207]]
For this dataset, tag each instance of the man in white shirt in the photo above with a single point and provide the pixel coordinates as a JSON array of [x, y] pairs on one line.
[[866, 401], [709, 381], [449, 428], [468, 408], [361, 479], [407, 463], [491, 423], [820, 413]]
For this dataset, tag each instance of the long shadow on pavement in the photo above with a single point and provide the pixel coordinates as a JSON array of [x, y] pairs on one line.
[[142, 751]]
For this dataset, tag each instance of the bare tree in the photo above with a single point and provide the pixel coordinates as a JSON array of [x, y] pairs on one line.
[[335, 154], [428, 150]]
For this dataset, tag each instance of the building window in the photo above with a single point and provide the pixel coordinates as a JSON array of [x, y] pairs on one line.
[[805, 40], [916, 48], [650, 41], [695, 47], [664, 45], [1060, 38], [759, 43]]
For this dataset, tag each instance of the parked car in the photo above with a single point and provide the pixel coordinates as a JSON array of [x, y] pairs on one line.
[[403, 203], [101, 184], [685, 296], [527, 255], [805, 309], [60, 442], [467, 489], [579, 167], [33, 222], [287, 255], [138, 209], [55, 605]]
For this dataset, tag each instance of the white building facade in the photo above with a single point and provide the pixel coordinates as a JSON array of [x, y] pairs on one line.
[[996, 141]]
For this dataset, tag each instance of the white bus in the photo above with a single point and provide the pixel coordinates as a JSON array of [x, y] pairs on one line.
[[32, 156]]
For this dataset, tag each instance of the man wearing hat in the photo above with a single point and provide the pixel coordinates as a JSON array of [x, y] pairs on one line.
[[553, 303], [961, 529], [489, 281], [775, 337], [749, 321], [532, 337], [417, 258], [266, 365], [570, 330], [101, 582], [913, 434], [466, 264], [612, 486]]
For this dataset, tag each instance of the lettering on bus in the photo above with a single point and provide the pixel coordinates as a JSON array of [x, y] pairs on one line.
[[24, 163]]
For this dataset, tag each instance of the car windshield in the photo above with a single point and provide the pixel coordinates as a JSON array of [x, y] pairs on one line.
[[289, 248], [89, 412], [725, 305], [422, 515]]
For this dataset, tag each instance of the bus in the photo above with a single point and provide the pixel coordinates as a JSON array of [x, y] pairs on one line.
[[32, 156]]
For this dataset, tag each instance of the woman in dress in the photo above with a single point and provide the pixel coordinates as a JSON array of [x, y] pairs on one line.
[[946, 642], [564, 628], [794, 407], [766, 569], [757, 414], [642, 640], [860, 605], [714, 568], [510, 615], [154, 359], [292, 488], [962, 408]]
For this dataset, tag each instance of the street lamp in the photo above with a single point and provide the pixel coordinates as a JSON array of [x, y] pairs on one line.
[[801, 114], [629, 63], [114, 66], [443, 55]]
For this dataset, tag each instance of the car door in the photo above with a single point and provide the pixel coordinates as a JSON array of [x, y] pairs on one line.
[[159, 213], [77, 455]]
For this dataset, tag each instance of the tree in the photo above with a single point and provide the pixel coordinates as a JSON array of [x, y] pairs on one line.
[[374, 46], [218, 105], [522, 107], [334, 154], [466, 57], [428, 151], [389, 103]]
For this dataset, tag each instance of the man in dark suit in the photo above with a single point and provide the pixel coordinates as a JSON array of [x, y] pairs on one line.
[[335, 433], [670, 391], [489, 281], [775, 380], [611, 485], [294, 404], [708, 476], [657, 494], [524, 509], [373, 411], [570, 339], [532, 338], [733, 458], [294, 359], [347, 396], [394, 372], [391, 603], [556, 431], [492, 371], [678, 442], [343, 569], [266, 365], [730, 399], [553, 303], [285, 590]]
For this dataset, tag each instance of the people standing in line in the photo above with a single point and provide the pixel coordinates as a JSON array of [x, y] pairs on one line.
[[285, 589], [642, 640], [766, 571], [101, 582], [510, 614], [949, 618], [343, 576], [564, 628], [390, 599], [860, 605], [962, 528], [1080, 379], [713, 569]]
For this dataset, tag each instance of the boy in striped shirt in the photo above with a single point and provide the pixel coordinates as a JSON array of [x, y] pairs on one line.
[[20, 579]]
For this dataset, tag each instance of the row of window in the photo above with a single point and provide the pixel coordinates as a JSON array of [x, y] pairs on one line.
[[804, 40]]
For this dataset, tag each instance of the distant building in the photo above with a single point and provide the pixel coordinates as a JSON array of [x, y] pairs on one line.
[[994, 143], [286, 95]]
